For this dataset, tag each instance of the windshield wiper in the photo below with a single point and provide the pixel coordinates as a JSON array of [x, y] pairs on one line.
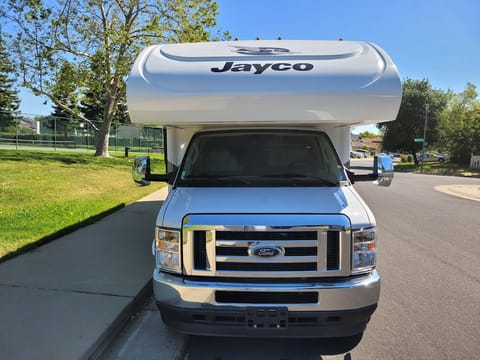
[[302, 178], [290, 179], [213, 179]]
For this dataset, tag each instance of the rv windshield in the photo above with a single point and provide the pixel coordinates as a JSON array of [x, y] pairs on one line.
[[260, 158]]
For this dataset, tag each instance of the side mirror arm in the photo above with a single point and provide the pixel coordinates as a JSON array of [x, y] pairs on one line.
[[365, 177], [142, 174], [383, 178]]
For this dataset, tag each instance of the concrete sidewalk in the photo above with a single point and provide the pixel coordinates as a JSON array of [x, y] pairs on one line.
[[69, 298], [471, 192]]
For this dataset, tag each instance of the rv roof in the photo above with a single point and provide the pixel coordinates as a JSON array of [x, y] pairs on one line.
[[264, 82]]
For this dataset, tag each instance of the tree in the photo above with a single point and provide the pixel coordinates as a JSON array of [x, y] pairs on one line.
[[48, 34], [400, 135], [367, 134], [93, 101], [9, 101], [459, 125], [65, 89]]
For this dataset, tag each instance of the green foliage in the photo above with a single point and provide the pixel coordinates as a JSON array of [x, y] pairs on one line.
[[65, 111], [94, 99], [43, 193], [9, 101], [367, 134], [438, 168], [100, 40], [400, 135], [406, 158], [459, 125]]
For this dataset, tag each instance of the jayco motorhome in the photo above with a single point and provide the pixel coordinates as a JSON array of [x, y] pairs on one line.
[[262, 232]]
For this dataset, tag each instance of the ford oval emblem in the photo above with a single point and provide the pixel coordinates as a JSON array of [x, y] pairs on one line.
[[266, 250]]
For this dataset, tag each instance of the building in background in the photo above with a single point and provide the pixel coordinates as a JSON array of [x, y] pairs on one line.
[[373, 145]]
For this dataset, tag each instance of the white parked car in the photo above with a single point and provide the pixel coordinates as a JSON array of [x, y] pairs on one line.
[[364, 153], [441, 157]]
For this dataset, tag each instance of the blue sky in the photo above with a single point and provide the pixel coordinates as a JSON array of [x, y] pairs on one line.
[[438, 40]]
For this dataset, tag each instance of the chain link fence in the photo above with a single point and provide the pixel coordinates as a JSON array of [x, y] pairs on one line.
[[65, 134]]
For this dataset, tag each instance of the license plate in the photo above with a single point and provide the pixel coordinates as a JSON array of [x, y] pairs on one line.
[[267, 318]]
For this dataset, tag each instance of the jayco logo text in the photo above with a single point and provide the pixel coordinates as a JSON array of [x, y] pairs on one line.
[[260, 68]]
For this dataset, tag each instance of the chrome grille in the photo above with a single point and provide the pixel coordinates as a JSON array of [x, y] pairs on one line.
[[300, 247], [308, 246]]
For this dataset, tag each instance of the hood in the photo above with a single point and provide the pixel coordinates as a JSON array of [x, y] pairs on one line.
[[328, 200]]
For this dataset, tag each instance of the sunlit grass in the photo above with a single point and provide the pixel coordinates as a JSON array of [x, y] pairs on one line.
[[42, 193], [438, 168]]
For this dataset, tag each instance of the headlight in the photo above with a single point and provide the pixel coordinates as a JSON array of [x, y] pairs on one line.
[[364, 250], [167, 250]]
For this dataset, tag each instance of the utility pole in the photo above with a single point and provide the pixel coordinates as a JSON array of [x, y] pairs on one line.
[[427, 106]]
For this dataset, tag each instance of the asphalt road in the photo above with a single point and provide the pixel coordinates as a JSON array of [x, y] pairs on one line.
[[429, 261]]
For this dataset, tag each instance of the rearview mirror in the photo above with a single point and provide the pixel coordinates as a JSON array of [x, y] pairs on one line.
[[382, 173], [141, 170], [384, 170], [142, 175]]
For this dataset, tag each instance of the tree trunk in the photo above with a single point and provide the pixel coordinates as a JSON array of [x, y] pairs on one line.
[[414, 154], [103, 134], [415, 160], [102, 140]]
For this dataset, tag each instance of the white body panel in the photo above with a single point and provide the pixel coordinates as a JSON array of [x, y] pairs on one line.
[[264, 82], [270, 240], [341, 200]]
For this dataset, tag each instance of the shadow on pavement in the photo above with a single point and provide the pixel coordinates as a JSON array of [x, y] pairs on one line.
[[214, 348], [68, 298]]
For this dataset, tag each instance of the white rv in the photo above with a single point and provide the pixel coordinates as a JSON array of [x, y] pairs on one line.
[[262, 233]]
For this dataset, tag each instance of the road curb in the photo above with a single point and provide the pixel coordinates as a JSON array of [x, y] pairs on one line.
[[138, 302]]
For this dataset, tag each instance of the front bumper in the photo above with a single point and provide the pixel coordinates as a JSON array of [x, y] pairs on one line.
[[342, 307]]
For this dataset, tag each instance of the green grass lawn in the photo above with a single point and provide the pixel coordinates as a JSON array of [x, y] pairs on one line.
[[438, 168], [44, 193]]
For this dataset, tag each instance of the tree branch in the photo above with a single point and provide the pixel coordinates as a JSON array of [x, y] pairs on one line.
[[57, 102]]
